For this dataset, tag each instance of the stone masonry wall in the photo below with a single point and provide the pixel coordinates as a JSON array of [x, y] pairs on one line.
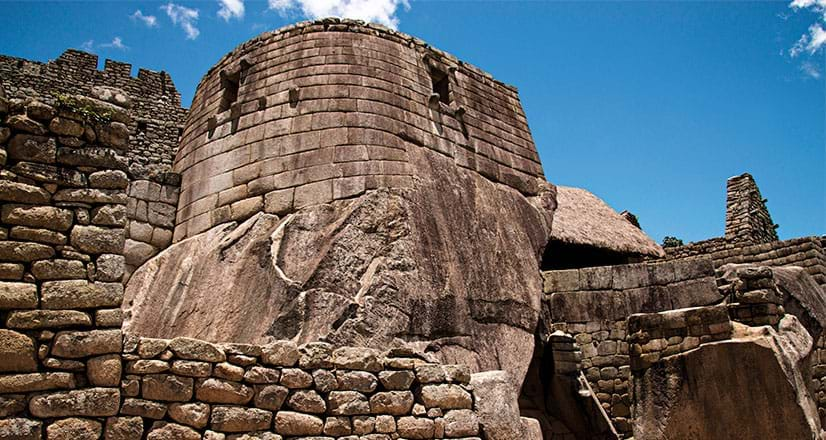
[[806, 252], [324, 110], [592, 304], [157, 118], [747, 218], [151, 211], [61, 263], [153, 119], [68, 371]]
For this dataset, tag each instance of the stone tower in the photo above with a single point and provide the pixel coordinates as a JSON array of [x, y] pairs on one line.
[[347, 183], [747, 218]]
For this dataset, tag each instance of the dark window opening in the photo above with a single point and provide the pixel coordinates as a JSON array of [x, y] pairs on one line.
[[559, 255], [141, 127], [441, 84], [229, 86]]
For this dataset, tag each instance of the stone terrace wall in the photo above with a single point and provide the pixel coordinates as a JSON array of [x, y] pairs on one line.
[[189, 389], [806, 252], [67, 370], [747, 218], [592, 304], [153, 121], [325, 110], [61, 239], [151, 212], [157, 116]]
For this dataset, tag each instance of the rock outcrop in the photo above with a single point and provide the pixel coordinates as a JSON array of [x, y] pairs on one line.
[[700, 393], [448, 266]]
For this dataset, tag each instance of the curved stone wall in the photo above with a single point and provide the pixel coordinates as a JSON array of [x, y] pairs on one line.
[[326, 110]]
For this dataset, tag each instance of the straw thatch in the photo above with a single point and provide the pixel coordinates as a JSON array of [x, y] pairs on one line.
[[583, 218]]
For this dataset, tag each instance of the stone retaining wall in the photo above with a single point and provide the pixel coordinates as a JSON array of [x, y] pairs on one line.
[[151, 212], [325, 110], [68, 371], [806, 252], [157, 118], [189, 389], [592, 304]]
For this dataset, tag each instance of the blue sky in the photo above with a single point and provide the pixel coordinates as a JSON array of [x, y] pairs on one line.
[[649, 105]]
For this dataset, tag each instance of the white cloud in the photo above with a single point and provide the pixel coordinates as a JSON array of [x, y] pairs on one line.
[[377, 11], [116, 43], [810, 70], [803, 4], [231, 8], [88, 46], [187, 18], [810, 43], [148, 20]]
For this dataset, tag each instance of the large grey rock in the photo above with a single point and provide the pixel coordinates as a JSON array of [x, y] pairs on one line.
[[496, 405], [720, 389], [449, 266]]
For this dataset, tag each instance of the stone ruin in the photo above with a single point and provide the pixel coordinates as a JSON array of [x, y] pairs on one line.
[[349, 235]]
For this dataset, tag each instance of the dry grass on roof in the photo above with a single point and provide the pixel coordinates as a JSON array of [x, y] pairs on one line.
[[583, 218]]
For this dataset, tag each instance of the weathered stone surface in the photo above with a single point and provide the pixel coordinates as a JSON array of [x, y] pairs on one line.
[[124, 428], [415, 427], [17, 295], [66, 127], [172, 431], [198, 350], [35, 319], [80, 294], [77, 344], [360, 381], [221, 391], [143, 408], [167, 387], [496, 405], [396, 403], [21, 383], [353, 358], [47, 217], [239, 419], [668, 405], [97, 240], [24, 252], [461, 423], [104, 371], [74, 429], [32, 148], [191, 414], [192, 368], [12, 404], [20, 429], [25, 233], [280, 353], [293, 423], [22, 193], [335, 271], [296, 378], [396, 380], [58, 269], [109, 267], [270, 397], [226, 370], [89, 402], [262, 375], [11, 271], [109, 179], [348, 403], [446, 396], [307, 401]]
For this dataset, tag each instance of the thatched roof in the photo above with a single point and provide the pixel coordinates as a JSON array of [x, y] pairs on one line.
[[583, 218]]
